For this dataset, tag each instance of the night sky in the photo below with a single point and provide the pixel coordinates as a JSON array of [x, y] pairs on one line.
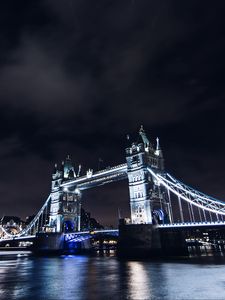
[[77, 76]]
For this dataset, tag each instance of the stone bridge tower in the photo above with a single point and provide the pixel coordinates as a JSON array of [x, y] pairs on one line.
[[65, 207], [148, 201]]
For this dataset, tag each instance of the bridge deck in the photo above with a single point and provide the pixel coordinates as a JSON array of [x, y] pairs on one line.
[[192, 224], [99, 178], [71, 235]]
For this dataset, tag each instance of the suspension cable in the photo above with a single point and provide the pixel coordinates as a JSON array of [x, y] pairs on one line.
[[198, 199], [32, 224]]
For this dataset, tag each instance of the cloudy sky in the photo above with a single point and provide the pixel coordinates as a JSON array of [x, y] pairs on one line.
[[77, 76]]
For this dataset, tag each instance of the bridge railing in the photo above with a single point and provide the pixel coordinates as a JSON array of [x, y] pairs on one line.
[[192, 224], [77, 236]]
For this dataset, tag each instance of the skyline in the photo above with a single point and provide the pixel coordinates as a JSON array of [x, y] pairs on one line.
[[76, 78]]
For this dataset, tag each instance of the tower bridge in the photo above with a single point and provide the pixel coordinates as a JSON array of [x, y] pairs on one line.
[[158, 201]]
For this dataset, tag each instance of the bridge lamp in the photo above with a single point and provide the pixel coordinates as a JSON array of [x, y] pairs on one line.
[[77, 192]]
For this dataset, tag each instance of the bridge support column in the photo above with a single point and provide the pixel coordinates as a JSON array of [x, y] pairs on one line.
[[139, 240], [146, 240], [138, 185], [173, 242], [65, 207], [148, 201], [49, 243]]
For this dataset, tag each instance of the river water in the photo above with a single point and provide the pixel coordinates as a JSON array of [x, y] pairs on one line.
[[106, 277]]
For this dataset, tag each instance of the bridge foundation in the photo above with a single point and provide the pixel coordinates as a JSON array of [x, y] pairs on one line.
[[49, 243], [146, 240], [54, 243], [173, 242], [139, 240]]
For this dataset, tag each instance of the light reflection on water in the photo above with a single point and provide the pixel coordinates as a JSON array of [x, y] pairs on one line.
[[84, 277]]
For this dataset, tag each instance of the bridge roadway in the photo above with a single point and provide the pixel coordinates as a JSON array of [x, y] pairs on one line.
[[75, 235], [18, 238], [192, 224], [71, 236], [98, 178], [67, 236]]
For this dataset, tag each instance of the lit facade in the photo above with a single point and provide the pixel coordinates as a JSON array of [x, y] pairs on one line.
[[148, 203], [65, 206]]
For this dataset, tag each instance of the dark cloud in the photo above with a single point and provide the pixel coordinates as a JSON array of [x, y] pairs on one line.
[[77, 76]]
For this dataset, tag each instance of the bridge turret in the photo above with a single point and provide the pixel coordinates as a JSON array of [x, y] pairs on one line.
[[144, 137], [146, 196], [159, 154], [65, 204], [138, 182]]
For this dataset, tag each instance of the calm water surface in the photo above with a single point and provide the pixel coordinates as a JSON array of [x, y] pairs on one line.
[[84, 277]]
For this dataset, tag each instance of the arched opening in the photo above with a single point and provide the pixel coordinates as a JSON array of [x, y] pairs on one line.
[[159, 217], [68, 226]]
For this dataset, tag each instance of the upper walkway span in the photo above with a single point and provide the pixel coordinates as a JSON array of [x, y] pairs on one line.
[[105, 176]]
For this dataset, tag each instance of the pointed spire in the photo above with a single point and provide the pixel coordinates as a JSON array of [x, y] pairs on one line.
[[119, 213], [158, 150], [157, 144], [141, 130], [79, 169], [55, 168], [144, 137]]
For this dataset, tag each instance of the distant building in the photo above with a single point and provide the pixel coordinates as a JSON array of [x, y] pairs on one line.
[[88, 223], [13, 224], [11, 221]]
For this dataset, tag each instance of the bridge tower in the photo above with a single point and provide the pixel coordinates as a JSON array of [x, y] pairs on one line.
[[148, 201], [65, 207]]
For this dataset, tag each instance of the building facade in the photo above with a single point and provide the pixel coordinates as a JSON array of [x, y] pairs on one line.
[[65, 206], [148, 201]]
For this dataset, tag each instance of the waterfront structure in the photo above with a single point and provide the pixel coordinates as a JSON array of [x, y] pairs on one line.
[[159, 202]]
